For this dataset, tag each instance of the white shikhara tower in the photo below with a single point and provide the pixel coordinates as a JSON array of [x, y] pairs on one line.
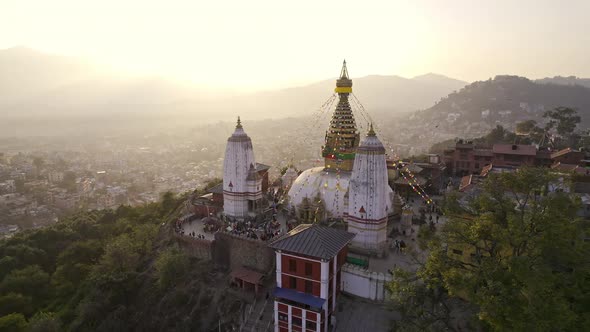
[[368, 195], [242, 186]]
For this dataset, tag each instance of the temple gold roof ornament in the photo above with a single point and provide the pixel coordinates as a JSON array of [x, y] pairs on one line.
[[342, 136], [344, 83]]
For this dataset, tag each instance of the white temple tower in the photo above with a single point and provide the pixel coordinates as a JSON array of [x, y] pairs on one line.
[[369, 196], [242, 188]]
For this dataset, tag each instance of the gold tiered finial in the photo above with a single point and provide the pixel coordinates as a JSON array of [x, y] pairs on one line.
[[344, 71], [239, 125], [344, 83]]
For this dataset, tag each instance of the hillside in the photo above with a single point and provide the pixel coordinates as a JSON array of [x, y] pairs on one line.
[[570, 80], [111, 270], [480, 106]]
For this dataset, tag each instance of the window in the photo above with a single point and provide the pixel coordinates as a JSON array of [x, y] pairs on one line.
[[296, 321], [308, 269], [310, 325], [292, 265], [293, 282], [308, 286], [283, 317]]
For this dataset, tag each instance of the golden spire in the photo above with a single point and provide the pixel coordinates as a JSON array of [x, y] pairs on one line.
[[344, 83], [344, 71], [239, 125]]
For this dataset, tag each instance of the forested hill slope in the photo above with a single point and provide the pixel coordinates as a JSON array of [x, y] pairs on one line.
[[505, 100], [569, 80], [109, 271]]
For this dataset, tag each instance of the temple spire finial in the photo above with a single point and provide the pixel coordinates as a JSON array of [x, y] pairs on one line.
[[371, 131], [344, 83], [239, 125], [344, 71]]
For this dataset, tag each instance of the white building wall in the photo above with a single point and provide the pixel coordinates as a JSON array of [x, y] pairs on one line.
[[239, 155], [324, 279], [366, 284], [369, 196], [278, 269]]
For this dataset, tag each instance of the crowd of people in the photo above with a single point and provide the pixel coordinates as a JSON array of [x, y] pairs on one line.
[[265, 230], [260, 228]]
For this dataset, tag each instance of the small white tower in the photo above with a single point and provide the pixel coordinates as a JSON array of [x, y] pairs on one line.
[[241, 184], [289, 176], [369, 195]]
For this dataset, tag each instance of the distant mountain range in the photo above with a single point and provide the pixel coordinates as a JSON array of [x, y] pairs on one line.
[[42, 92], [37, 84]]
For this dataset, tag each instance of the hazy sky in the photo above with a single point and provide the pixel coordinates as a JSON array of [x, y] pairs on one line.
[[261, 44]]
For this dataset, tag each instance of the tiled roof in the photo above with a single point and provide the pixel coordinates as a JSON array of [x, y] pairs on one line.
[[261, 167], [564, 167], [218, 189], [313, 240], [561, 152], [486, 169], [248, 275], [483, 152], [466, 181], [526, 150]]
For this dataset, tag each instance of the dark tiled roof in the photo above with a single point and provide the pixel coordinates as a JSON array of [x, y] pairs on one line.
[[518, 149], [248, 275], [218, 189], [562, 152], [261, 167], [313, 240]]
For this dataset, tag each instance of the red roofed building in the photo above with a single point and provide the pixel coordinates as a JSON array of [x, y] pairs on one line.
[[467, 158], [308, 263], [567, 156], [514, 155]]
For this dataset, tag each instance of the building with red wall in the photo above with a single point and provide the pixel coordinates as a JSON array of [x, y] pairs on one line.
[[308, 263], [468, 158]]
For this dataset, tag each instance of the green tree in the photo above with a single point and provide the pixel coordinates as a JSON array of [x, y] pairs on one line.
[[168, 203], [13, 323], [515, 253], [172, 264], [44, 322], [441, 146], [118, 262], [531, 130], [15, 302], [499, 135], [563, 119], [31, 280]]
